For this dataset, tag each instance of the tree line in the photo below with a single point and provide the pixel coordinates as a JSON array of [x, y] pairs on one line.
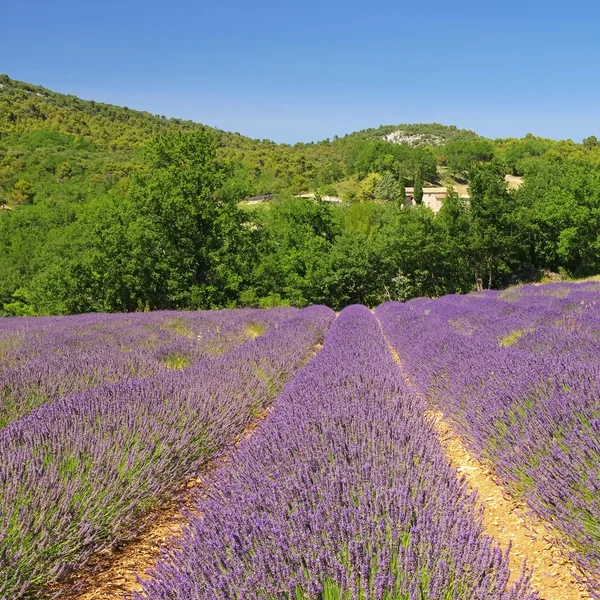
[[176, 236]]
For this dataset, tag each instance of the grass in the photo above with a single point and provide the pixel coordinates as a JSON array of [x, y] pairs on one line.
[[176, 361], [511, 294], [347, 186], [463, 326], [177, 325], [559, 292], [513, 337], [254, 330]]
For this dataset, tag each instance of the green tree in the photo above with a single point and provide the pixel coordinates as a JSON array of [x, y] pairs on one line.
[[454, 219], [387, 188], [295, 237], [174, 242], [177, 228], [418, 189], [461, 155], [401, 198], [369, 186], [517, 153], [561, 202], [497, 237], [22, 193], [64, 171]]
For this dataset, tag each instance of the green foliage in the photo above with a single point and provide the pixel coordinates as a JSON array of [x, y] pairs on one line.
[[497, 240], [562, 203], [389, 188], [418, 189], [177, 361], [461, 155], [19, 307], [401, 193], [400, 160], [22, 193], [428, 134], [516, 153], [296, 236], [272, 301], [513, 337], [172, 242], [254, 330], [105, 208], [369, 187]]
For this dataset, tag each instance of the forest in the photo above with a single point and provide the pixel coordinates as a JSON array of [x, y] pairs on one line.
[[105, 208]]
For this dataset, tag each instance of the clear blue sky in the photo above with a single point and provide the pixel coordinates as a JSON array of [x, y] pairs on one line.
[[306, 70]]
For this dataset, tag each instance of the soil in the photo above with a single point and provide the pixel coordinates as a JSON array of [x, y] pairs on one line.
[[514, 181]]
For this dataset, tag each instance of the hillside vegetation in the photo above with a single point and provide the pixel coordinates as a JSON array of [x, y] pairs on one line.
[[104, 208]]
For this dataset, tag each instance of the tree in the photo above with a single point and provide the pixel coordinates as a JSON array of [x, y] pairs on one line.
[[411, 250], [401, 199], [387, 188], [495, 221], [368, 186], [561, 201], [454, 219], [517, 153], [418, 190], [22, 193], [20, 306], [398, 159], [294, 240], [64, 171], [461, 155], [174, 242]]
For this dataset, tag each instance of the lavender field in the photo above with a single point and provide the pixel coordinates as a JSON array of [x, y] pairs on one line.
[[517, 374], [344, 490]]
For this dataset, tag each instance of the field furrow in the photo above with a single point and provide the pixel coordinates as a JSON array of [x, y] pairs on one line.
[[344, 492], [516, 375], [80, 473]]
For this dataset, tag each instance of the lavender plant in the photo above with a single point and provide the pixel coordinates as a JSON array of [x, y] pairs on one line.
[[517, 374], [43, 359], [80, 473], [343, 493]]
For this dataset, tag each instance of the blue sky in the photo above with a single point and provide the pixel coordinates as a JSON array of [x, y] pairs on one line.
[[301, 71]]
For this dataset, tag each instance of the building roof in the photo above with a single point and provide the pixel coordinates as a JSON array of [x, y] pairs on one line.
[[428, 190]]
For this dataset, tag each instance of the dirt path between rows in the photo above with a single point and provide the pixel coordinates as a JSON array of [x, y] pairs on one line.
[[113, 574], [509, 521]]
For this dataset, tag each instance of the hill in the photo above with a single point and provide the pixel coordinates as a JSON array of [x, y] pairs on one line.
[[48, 138], [432, 134], [106, 208]]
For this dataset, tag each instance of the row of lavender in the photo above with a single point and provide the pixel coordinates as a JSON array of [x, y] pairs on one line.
[[518, 374], [43, 359], [343, 493], [81, 472]]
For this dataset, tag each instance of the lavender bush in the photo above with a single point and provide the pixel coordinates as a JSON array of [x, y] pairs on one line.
[[517, 373], [43, 359], [343, 493], [79, 473]]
